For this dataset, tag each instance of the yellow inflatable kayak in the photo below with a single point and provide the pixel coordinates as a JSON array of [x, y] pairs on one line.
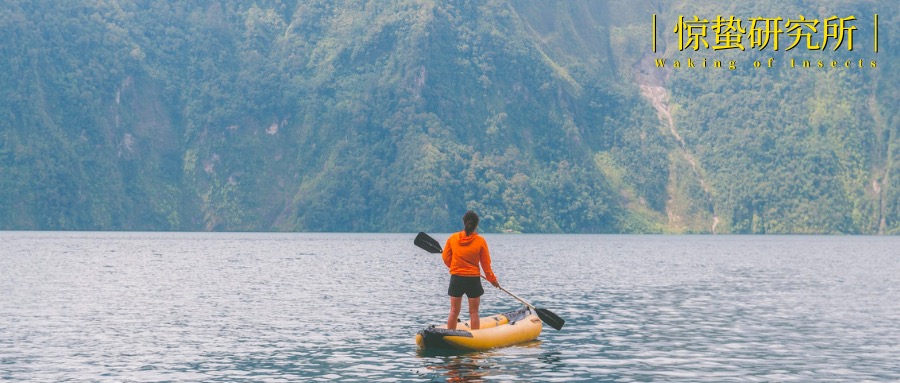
[[499, 330]]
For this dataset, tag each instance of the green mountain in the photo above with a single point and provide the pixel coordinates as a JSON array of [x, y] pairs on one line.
[[543, 116]]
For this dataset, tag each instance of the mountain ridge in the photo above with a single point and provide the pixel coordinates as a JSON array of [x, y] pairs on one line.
[[399, 116]]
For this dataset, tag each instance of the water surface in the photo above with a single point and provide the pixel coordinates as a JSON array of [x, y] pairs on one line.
[[147, 307]]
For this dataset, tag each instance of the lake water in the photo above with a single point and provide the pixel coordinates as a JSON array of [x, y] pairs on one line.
[[147, 307]]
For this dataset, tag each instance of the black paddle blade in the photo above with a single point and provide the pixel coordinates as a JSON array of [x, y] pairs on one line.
[[427, 243], [550, 318]]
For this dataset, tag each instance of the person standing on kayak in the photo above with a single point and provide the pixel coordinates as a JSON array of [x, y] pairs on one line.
[[463, 254]]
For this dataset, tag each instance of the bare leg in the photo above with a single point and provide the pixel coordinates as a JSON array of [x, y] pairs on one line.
[[455, 306], [474, 320]]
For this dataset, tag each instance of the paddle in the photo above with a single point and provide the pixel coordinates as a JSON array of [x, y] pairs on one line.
[[433, 246]]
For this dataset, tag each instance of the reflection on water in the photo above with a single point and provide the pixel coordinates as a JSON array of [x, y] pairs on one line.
[[461, 368], [506, 363], [113, 307]]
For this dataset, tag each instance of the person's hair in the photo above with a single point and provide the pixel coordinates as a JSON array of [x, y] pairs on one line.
[[470, 220]]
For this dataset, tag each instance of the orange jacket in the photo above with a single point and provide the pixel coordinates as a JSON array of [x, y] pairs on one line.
[[463, 253]]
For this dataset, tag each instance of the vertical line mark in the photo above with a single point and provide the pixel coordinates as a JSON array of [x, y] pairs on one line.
[[876, 33], [654, 32]]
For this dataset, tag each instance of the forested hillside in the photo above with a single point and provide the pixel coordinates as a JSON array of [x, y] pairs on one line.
[[399, 115]]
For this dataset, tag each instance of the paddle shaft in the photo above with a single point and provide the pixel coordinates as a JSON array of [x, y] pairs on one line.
[[513, 295]]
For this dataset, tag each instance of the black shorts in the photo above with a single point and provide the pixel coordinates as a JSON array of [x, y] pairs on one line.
[[470, 286]]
